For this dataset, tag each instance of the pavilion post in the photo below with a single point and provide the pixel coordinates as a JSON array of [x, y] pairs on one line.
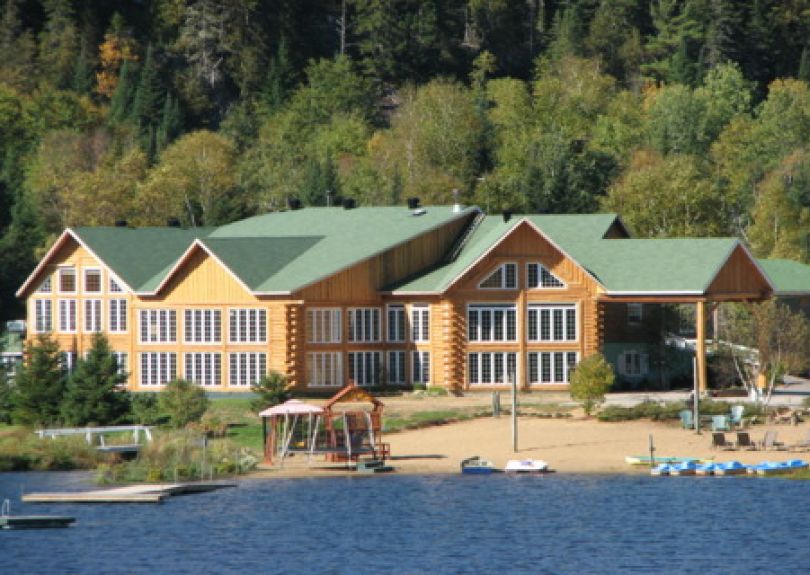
[[700, 346]]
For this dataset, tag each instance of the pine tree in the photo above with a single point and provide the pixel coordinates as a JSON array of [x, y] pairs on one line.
[[82, 81], [148, 100], [18, 248], [93, 394], [39, 383], [121, 102], [59, 43], [171, 123], [804, 66], [280, 79]]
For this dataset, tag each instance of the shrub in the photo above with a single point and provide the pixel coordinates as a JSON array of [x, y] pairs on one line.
[[590, 381], [182, 402], [145, 409], [271, 390]]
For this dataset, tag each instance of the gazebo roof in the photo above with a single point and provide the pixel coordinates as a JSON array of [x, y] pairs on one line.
[[292, 407], [352, 393]]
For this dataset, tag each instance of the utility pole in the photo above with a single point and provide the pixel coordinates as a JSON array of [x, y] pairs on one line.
[[513, 381]]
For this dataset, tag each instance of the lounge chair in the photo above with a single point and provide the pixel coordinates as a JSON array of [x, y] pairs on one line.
[[771, 444], [687, 419], [737, 415], [720, 423], [719, 442], [744, 441]]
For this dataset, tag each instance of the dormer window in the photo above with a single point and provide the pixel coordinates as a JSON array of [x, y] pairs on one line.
[[504, 277], [538, 277]]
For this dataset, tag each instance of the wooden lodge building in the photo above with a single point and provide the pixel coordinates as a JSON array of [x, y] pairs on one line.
[[441, 295]]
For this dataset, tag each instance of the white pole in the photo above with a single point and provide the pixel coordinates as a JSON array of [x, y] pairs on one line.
[[696, 395], [513, 381]]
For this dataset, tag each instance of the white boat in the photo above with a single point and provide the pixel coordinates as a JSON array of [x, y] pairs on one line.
[[477, 466], [526, 466]]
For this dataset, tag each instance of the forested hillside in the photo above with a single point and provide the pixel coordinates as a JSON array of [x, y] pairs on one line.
[[689, 117]]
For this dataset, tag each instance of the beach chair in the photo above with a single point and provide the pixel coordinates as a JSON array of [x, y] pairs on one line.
[[719, 442], [687, 419], [771, 444], [720, 423], [744, 441], [737, 415]]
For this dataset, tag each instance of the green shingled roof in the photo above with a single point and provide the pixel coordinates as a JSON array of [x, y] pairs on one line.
[[274, 252], [788, 277]]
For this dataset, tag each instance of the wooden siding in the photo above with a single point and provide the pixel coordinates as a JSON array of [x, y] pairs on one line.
[[203, 280], [739, 275]]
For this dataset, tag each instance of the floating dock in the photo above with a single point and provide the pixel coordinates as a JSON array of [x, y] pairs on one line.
[[152, 493], [34, 521]]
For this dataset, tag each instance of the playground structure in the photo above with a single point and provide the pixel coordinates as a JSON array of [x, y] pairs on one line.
[[343, 430]]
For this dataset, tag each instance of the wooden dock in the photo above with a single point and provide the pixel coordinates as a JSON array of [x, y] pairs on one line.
[[152, 493]]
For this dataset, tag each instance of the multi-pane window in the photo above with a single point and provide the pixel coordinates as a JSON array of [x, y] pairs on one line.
[[45, 286], [158, 368], [491, 368], [246, 368], [421, 367], [633, 363], [92, 315], [203, 368], [420, 323], [492, 322], [67, 360], [122, 361], [325, 369], [364, 367], [396, 367], [539, 277], [118, 315], [248, 325], [43, 310], [67, 280], [92, 281], [396, 323], [202, 326], [115, 287], [504, 277], [364, 324], [323, 325], [67, 315], [552, 322], [158, 326], [635, 312], [551, 366]]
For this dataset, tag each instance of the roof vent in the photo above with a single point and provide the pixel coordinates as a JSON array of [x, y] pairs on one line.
[[294, 203], [121, 223], [349, 203], [507, 215], [173, 222], [413, 203], [457, 207]]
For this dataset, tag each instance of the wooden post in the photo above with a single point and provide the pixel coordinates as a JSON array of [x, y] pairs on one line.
[[700, 346], [513, 381]]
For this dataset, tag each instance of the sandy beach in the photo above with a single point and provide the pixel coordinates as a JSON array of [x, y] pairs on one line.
[[570, 445]]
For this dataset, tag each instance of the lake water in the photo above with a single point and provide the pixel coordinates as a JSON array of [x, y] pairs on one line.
[[414, 524]]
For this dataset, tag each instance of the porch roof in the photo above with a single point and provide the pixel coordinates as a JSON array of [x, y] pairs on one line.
[[789, 278]]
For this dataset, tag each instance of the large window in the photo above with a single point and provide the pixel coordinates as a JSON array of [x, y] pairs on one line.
[[551, 366], [158, 326], [552, 322], [202, 326], [246, 368], [421, 367], [203, 368], [118, 315], [92, 280], [492, 323], [364, 367], [122, 361], [43, 312], [158, 368], [364, 324], [67, 360], [396, 323], [248, 325], [633, 363], [396, 367], [491, 368], [420, 323], [67, 280], [323, 325], [92, 315], [504, 277], [325, 369], [538, 277], [67, 315]]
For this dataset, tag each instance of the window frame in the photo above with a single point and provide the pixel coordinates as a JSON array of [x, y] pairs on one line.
[[504, 356], [236, 369], [335, 369], [418, 357], [336, 325], [351, 318], [352, 365], [552, 355], [502, 267], [636, 316], [400, 325], [171, 367], [208, 360], [491, 307], [121, 312], [85, 272], [402, 362], [59, 273], [539, 307], [540, 286], [420, 322], [36, 314], [168, 313], [96, 308], [262, 328], [70, 303], [212, 331], [46, 285]]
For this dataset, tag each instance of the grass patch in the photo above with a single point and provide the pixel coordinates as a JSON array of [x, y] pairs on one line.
[[21, 450], [670, 411]]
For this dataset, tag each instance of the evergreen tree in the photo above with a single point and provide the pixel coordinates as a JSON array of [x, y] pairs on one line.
[[18, 257], [320, 179], [93, 394], [121, 102], [59, 43], [148, 100], [82, 81], [804, 66], [39, 384], [171, 122], [280, 80]]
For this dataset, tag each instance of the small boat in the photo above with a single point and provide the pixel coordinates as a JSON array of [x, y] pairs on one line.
[[8, 521], [661, 470], [779, 467], [526, 466], [684, 468], [476, 466], [706, 469], [645, 459], [731, 468]]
